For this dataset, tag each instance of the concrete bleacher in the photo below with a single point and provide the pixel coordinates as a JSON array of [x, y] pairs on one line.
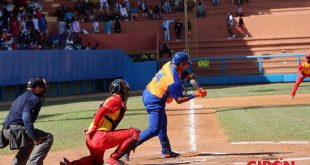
[[274, 26]]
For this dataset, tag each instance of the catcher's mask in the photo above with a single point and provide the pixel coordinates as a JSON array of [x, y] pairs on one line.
[[120, 86]]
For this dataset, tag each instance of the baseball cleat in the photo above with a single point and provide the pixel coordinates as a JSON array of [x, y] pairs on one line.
[[291, 97], [112, 161], [170, 155], [65, 162]]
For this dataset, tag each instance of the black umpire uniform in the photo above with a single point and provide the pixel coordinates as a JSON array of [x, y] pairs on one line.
[[18, 130]]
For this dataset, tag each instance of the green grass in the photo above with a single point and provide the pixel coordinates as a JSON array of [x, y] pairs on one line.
[[255, 90], [66, 121], [266, 123]]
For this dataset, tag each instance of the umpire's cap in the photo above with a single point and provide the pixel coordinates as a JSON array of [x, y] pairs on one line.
[[37, 82], [180, 57]]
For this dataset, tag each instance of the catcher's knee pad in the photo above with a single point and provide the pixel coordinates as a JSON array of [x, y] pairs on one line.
[[135, 134]]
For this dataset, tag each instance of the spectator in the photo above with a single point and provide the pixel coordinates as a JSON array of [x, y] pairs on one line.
[[42, 24], [124, 13], [230, 24], [104, 4], [95, 26], [61, 27], [75, 29], [69, 15], [68, 31], [35, 22], [166, 26], [133, 12], [200, 10], [8, 43], [108, 26], [165, 51], [189, 28], [167, 7], [14, 28], [117, 26], [156, 12], [143, 8], [240, 27], [239, 11], [215, 2], [178, 29]]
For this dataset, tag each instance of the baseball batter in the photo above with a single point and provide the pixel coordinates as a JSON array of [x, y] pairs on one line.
[[303, 72], [101, 135], [164, 87]]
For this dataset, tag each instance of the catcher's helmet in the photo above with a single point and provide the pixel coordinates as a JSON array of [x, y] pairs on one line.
[[120, 86]]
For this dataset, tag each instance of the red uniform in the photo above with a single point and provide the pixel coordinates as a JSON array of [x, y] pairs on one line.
[[105, 137], [304, 69]]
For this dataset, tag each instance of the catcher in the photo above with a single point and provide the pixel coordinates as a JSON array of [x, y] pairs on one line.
[[101, 135], [303, 72]]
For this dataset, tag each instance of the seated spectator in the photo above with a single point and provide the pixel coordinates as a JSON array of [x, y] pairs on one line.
[[215, 2], [117, 26], [200, 10], [133, 12], [167, 7], [95, 26], [165, 51]]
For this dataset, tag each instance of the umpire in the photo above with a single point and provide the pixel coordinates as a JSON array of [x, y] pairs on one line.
[[18, 129]]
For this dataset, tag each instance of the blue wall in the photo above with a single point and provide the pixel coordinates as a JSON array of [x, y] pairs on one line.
[[61, 65]]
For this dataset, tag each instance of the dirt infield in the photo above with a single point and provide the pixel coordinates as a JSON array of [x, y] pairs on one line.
[[196, 133]]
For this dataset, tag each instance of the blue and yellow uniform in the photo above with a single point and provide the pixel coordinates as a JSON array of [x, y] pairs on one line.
[[165, 86]]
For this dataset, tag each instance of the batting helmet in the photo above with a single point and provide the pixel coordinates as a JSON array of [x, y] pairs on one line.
[[180, 57], [120, 86]]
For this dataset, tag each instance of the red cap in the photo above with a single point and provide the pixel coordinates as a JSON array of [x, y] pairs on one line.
[[308, 56]]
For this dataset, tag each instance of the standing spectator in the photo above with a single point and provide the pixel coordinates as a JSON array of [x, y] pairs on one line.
[[69, 15], [104, 4], [178, 29], [239, 11], [124, 13], [200, 10], [14, 28], [133, 12], [8, 43], [156, 12], [240, 27], [117, 26], [143, 8], [166, 26], [68, 31], [167, 7], [230, 24], [33, 144], [61, 27], [35, 22], [75, 29], [108, 26], [42, 24], [95, 26]]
